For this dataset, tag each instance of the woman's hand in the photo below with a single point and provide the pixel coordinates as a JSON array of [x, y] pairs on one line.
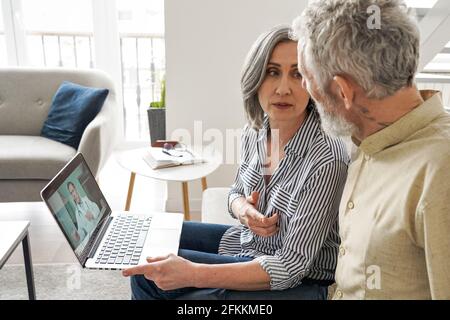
[[168, 272], [253, 219]]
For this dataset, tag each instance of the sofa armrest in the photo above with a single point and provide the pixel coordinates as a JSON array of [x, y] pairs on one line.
[[215, 207], [100, 136]]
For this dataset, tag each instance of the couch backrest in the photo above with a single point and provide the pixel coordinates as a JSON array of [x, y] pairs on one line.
[[26, 95]]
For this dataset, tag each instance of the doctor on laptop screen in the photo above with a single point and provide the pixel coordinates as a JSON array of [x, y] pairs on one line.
[[77, 209], [86, 211]]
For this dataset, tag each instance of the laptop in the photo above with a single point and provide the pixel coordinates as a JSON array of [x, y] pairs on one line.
[[100, 238]]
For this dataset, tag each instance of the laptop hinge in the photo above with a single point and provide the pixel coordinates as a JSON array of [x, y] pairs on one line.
[[98, 239]]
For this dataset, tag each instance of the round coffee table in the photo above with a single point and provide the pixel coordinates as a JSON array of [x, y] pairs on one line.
[[132, 160]]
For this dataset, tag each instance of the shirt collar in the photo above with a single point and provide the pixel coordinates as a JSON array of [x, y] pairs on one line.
[[405, 126], [303, 138]]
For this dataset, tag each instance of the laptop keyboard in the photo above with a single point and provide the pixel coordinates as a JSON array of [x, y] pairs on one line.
[[125, 241]]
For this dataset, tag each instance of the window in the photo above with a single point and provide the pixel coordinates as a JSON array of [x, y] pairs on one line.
[[420, 3], [141, 30], [3, 60], [59, 32]]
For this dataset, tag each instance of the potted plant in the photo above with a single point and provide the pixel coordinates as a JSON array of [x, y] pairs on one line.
[[157, 117]]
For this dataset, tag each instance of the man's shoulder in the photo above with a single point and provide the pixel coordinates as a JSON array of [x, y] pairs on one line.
[[440, 126], [433, 139], [429, 147]]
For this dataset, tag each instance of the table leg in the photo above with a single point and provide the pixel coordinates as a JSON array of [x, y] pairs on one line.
[[130, 191], [28, 268], [204, 184], [187, 215]]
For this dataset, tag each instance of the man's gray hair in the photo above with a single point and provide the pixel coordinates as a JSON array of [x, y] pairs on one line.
[[254, 71], [337, 39]]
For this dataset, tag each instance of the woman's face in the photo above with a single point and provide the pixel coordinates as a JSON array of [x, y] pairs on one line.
[[281, 94]]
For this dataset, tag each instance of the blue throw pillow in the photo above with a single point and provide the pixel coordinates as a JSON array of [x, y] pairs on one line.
[[73, 108]]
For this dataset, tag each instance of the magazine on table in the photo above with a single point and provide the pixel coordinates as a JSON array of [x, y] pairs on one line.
[[158, 158]]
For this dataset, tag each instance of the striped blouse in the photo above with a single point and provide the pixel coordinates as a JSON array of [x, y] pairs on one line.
[[305, 190]]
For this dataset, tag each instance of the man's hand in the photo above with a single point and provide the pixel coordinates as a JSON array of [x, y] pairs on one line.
[[89, 216], [254, 220], [168, 273]]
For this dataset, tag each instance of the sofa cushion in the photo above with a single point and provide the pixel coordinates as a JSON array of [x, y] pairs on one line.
[[73, 108], [32, 157]]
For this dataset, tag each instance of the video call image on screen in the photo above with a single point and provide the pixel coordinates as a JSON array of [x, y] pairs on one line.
[[78, 206]]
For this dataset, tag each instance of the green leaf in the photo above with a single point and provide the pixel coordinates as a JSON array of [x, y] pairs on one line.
[[162, 103], [156, 104]]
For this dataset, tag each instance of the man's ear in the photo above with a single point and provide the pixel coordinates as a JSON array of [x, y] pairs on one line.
[[344, 90]]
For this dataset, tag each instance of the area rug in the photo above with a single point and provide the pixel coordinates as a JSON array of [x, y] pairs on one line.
[[64, 282]]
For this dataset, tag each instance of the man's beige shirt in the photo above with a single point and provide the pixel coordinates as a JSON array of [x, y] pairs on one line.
[[394, 216]]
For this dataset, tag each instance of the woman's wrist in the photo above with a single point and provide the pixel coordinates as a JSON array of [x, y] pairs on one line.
[[237, 207], [196, 275]]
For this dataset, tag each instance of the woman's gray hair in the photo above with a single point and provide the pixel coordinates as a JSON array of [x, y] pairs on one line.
[[254, 71], [338, 38]]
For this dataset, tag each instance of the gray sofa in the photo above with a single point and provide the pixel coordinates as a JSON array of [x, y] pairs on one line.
[[27, 160]]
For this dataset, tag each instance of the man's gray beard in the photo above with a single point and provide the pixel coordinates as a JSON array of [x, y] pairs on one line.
[[334, 124]]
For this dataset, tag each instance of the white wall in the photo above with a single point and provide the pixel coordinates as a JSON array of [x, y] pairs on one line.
[[206, 43]]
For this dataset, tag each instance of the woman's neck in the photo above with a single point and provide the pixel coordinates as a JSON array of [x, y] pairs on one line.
[[285, 130]]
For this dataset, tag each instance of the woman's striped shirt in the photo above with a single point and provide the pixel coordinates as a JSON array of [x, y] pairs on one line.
[[305, 190]]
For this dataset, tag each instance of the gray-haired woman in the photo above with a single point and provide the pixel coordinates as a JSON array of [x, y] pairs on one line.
[[285, 196]]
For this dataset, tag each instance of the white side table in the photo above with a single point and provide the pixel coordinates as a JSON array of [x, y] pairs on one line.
[[11, 234], [132, 160]]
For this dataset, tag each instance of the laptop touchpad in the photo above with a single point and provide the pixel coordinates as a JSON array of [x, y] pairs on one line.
[[163, 237], [167, 221]]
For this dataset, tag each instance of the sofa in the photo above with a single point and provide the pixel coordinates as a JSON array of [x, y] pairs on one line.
[[27, 160]]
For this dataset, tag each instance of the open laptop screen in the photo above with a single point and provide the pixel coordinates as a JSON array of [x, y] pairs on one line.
[[77, 203]]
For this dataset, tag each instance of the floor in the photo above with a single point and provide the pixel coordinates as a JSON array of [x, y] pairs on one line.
[[48, 245], [64, 282]]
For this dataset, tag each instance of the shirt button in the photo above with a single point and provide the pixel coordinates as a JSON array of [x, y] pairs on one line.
[[39, 102], [339, 294], [367, 157], [341, 251], [350, 205]]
